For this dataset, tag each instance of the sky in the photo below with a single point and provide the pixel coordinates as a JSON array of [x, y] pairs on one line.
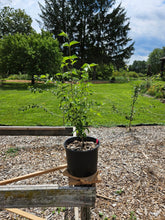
[[147, 22]]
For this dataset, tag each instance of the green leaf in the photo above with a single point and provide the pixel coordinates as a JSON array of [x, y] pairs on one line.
[[63, 34], [101, 214], [42, 76], [93, 64], [84, 65], [58, 74], [74, 57], [73, 43], [65, 58], [66, 44]]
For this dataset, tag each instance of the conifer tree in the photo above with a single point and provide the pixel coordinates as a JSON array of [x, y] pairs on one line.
[[56, 17], [110, 35], [100, 27]]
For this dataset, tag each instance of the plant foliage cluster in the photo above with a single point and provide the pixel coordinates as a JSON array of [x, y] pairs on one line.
[[154, 60], [33, 54], [14, 21], [153, 88], [74, 96]]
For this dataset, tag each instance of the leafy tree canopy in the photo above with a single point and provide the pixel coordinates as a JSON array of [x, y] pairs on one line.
[[154, 60], [34, 54], [13, 21]]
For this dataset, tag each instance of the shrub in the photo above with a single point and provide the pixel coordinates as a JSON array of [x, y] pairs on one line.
[[154, 89], [133, 74], [157, 91], [103, 72], [19, 76]]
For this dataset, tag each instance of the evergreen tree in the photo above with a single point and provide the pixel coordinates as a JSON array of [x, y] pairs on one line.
[[56, 17], [81, 22], [101, 29], [110, 35]]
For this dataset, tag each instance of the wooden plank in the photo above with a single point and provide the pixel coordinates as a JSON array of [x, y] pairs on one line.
[[25, 214], [76, 213], [36, 131], [22, 196], [30, 175]]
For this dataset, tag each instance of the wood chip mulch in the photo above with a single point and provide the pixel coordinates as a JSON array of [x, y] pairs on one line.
[[131, 165]]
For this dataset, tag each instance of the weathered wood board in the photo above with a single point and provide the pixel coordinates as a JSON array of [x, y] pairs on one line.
[[22, 196], [36, 131]]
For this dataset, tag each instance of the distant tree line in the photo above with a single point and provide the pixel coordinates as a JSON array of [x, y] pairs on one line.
[[153, 64]]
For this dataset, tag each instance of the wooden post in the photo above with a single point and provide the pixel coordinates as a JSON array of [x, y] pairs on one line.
[[85, 213]]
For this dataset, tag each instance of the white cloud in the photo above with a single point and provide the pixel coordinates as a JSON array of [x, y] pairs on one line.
[[147, 18]]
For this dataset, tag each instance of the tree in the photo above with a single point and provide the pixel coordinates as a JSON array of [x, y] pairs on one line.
[[13, 21], [56, 17], [34, 54], [154, 60], [139, 66], [101, 30], [109, 34]]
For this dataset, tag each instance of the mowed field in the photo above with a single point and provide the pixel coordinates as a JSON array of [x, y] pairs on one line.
[[115, 100]]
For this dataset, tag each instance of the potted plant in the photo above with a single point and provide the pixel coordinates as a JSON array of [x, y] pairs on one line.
[[73, 92]]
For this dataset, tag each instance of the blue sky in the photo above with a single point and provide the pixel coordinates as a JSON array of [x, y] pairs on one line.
[[147, 22]]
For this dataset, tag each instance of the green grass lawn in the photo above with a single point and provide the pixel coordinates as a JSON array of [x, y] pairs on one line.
[[115, 98]]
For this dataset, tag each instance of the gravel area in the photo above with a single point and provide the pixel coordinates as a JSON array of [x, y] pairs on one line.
[[131, 165]]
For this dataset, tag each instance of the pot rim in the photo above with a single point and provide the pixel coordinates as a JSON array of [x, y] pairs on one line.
[[78, 138]]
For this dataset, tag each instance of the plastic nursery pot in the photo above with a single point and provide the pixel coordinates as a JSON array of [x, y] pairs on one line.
[[82, 163]]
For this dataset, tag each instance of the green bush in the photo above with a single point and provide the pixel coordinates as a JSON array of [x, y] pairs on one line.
[[157, 91], [119, 73], [119, 79], [32, 54], [133, 74], [19, 76], [123, 75], [145, 86], [103, 72]]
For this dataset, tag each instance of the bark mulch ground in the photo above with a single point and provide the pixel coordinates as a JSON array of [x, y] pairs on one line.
[[131, 166]]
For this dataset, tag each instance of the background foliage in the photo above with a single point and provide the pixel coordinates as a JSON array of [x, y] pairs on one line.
[[33, 54], [14, 21]]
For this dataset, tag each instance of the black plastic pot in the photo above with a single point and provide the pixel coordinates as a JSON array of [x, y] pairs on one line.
[[82, 163]]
